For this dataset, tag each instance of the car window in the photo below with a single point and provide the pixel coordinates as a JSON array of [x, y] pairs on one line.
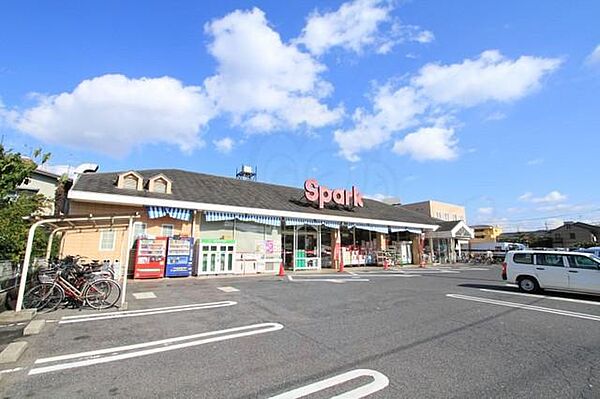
[[523, 258], [582, 262], [549, 260]]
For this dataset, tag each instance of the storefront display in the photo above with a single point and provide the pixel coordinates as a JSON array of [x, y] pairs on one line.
[[150, 256], [215, 256], [179, 257]]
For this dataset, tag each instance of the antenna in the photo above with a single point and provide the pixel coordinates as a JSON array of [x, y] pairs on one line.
[[246, 173]]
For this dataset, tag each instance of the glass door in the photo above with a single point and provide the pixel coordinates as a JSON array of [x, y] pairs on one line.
[[216, 257]]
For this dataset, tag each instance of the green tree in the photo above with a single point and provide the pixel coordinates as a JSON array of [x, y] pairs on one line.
[[15, 207]]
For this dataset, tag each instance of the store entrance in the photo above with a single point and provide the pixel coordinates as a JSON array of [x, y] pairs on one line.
[[303, 247]]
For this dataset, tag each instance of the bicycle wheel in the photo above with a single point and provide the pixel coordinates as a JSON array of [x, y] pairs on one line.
[[44, 296], [102, 294]]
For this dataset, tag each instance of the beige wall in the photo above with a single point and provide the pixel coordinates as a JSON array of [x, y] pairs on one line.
[[486, 233], [45, 186], [87, 242], [439, 210]]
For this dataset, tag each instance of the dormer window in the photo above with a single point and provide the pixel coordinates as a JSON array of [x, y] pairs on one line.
[[130, 181], [160, 184]]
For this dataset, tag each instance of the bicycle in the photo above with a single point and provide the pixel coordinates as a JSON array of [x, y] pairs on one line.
[[78, 288]]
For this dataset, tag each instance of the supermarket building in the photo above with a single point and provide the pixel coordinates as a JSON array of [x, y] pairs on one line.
[[239, 226]]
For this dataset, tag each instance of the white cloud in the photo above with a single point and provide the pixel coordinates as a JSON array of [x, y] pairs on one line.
[[377, 197], [495, 116], [536, 161], [224, 145], [114, 113], [490, 77], [392, 111], [594, 58], [428, 144], [485, 210], [264, 83], [436, 93], [356, 25], [551, 197]]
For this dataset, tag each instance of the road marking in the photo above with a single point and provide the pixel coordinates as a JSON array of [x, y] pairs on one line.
[[144, 295], [380, 381], [526, 307], [511, 285], [144, 312], [542, 296], [328, 280], [473, 268], [352, 273], [228, 289], [11, 370], [394, 275], [89, 358]]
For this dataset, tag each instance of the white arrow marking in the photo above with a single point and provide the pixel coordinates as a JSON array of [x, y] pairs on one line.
[[95, 357], [379, 382]]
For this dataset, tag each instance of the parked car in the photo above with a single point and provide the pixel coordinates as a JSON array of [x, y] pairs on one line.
[[592, 250], [534, 270]]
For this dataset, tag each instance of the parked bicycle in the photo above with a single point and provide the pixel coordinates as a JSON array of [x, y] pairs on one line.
[[73, 285]]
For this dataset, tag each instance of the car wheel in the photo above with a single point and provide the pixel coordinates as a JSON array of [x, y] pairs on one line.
[[528, 285]]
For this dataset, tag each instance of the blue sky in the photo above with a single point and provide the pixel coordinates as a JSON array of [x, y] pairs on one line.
[[492, 105]]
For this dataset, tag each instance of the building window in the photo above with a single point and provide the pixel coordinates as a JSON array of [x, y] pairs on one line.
[[130, 182], [572, 236], [160, 186], [557, 236], [107, 240], [139, 230], [166, 230]]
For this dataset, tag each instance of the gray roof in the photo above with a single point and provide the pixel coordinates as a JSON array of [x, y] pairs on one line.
[[447, 226], [210, 189]]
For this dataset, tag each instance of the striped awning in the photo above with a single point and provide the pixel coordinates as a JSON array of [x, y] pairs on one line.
[[370, 227], [409, 230], [155, 212], [212, 216], [311, 222]]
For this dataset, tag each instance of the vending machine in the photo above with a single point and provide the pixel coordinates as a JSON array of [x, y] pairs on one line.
[[150, 256], [179, 257]]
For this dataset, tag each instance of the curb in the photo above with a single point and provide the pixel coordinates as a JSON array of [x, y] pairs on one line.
[[34, 327], [13, 352]]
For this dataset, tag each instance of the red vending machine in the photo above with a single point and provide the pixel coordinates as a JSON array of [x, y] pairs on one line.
[[150, 257]]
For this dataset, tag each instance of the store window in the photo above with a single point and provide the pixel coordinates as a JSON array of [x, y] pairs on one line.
[[139, 230], [107, 240], [166, 230]]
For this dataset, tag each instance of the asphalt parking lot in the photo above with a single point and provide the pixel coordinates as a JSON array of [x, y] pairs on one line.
[[457, 332]]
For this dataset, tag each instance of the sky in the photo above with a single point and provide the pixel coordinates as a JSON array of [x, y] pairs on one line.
[[491, 105]]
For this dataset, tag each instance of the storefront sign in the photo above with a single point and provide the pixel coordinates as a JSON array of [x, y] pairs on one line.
[[323, 195]]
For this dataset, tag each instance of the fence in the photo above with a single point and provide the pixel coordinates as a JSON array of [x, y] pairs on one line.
[[9, 275]]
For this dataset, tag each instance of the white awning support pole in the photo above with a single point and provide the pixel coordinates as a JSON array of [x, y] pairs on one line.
[[49, 246], [125, 266], [25, 268]]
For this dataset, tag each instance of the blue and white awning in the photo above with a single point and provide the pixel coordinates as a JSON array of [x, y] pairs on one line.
[[155, 212], [212, 216], [311, 222], [370, 227], [409, 230]]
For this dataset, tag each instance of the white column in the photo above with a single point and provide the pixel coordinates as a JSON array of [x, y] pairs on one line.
[[25, 268], [125, 265]]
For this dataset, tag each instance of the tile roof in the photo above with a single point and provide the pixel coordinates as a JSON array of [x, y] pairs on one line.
[[210, 189]]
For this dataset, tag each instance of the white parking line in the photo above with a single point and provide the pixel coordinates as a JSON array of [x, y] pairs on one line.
[[144, 312], [542, 296], [228, 289], [96, 357], [11, 370], [394, 275], [526, 307], [328, 280], [380, 381]]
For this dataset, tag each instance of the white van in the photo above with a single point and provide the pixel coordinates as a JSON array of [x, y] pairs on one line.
[[554, 270]]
